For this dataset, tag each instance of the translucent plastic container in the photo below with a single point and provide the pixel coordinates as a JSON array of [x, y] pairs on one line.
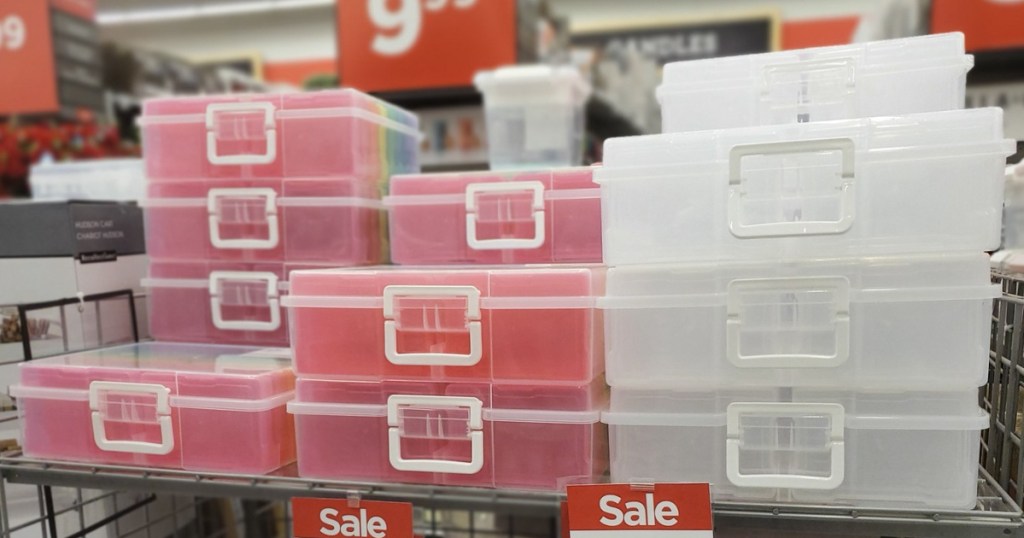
[[844, 322], [295, 135], [536, 324], [218, 302], [884, 78], [121, 180], [921, 183], [534, 115], [516, 437], [336, 221], [872, 449], [195, 407], [543, 216]]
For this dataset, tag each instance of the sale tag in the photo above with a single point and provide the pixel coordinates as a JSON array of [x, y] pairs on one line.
[[628, 511], [320, 518], [26, 58]]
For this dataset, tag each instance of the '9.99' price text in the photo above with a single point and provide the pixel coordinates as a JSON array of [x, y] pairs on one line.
[[12, 33], [402, 26]]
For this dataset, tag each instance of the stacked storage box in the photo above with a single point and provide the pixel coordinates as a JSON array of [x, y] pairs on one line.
[[798, 303], [243, 189], [482, 375]]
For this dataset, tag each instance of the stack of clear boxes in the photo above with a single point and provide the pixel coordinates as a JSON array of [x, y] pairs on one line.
[[798, 299]]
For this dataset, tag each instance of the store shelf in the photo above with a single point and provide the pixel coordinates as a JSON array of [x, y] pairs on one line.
[[995, 515]]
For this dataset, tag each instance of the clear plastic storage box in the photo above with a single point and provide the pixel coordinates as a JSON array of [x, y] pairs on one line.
[[542, 216], [535, 324], [332, 133], [885, 78], [122, 180], [922, 183], [336, 221], [218, 302], [871, 449], [518, 437], [534, 115], [909, 321], [195, 407]]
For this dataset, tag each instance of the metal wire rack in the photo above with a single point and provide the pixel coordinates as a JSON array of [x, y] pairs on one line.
[[77, 500]]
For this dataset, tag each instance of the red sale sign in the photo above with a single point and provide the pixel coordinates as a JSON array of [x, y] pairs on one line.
[[26, 58], [329, 518], [628, 511], [411, 44]]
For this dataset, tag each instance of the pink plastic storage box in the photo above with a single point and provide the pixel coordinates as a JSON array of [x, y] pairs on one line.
[[528, 324], [518, 437], [549, 216], [325, 220], [317, 134], [218, 302], [196, 407]]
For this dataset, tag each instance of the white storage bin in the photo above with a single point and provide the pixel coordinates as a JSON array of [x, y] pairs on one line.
[[910, 321], [914, 450], [922, 183], [120, 180], [895, 77], [534, 115]]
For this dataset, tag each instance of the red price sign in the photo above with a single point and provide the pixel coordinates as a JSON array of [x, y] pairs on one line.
[[626, 511], [329, 518], [26, 58], [412, 44]]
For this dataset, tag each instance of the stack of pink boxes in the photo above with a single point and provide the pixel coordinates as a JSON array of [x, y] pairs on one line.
[[242, 190], [461, 366]]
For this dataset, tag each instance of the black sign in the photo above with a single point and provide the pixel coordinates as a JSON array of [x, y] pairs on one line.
[[687, 40], [79, 68]]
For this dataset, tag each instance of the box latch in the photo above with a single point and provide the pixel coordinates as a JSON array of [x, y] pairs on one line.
[[237, 127], [785, 445], [246, 292], [785, 189], [817, 89], [435, 418], [432, 319], [118, 402], [503, 209], [243, 208], [798, 322]]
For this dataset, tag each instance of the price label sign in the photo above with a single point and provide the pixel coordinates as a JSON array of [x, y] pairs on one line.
[[413, 44], [26, 58], [630, 511], [329, 518]]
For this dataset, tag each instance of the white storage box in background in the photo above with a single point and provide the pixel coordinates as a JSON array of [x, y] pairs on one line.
[[914, 450], [534, 115], [895, 77], [121, 180], [885, 322], [923, 183]]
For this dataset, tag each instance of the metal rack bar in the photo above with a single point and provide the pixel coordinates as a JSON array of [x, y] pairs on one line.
[[995, 515]]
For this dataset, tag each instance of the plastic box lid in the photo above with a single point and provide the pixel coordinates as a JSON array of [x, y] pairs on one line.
[[894, 55], [102, 179], [188, 375], [523, 84]]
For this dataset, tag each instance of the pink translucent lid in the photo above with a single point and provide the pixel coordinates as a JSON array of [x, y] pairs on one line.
[[210, 371]]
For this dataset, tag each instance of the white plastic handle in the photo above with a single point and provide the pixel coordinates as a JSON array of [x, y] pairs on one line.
[[782, 229], [475, 425], [534, 187], [839, 287], [268, 124], [269, 208], [473, 325], [163, 412], [273, 303], [733, 443]]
